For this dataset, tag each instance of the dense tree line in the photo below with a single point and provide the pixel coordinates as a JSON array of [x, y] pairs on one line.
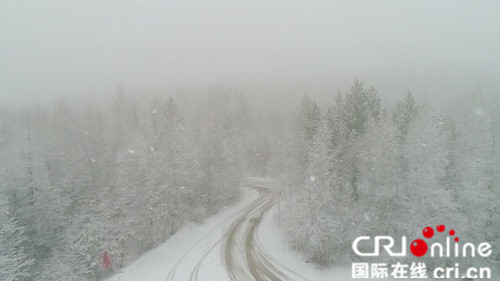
[[121, 176], [362, 168], [117, 177]]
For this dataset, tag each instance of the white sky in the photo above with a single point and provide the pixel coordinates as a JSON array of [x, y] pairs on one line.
[[79, 47]]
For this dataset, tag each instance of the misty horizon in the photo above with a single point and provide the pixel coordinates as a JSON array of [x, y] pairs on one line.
[[89, 49]]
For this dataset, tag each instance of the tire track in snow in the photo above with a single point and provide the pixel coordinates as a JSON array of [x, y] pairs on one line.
[[194, 273], [243, 255], [230, 253]]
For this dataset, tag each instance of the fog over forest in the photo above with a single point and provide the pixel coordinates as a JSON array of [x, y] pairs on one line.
[[122, 122], [81, 49]]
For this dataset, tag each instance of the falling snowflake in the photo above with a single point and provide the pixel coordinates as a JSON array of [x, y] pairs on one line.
[[154, 111], [424, 145], [152, 149], [312, 178], [93, 160], [181, 126], [182, 187], [131, 151]]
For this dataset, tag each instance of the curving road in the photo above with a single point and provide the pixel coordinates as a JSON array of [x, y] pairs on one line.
[[241, 252]]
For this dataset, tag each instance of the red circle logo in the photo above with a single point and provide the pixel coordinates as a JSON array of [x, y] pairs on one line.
[[418, 247]]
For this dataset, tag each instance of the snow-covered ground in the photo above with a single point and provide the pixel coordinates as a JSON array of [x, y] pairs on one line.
[[273, 241]]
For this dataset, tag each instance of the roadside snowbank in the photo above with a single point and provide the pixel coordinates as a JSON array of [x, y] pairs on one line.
[[272, 239]]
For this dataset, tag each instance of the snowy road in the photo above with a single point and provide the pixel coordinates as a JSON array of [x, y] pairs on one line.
[[226, 247], [240, 251], [243, 255]]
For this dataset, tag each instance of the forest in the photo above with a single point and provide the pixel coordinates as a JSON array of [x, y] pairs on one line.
[[122, 175], [359, 167], [119, 177]]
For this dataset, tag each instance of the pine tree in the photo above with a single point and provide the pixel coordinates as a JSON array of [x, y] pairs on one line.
[[405, 112]]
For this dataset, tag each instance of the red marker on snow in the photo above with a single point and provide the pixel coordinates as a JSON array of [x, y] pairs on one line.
[[106, 261]]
